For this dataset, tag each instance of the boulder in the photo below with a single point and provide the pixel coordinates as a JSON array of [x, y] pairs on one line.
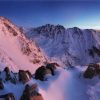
[[30, 93], [40, 73], [92, 70], [89, 73], [23, 76], [51, 67]]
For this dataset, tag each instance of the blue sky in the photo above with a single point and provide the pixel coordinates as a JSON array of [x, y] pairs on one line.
[[79, 13]]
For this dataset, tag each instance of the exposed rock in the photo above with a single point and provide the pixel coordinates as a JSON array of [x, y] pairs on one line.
[[92, 70], [9, 96], [30, 93], [89, 73], [40, 73], [36, 61], [51, 67], [94, 50], [10, 29], [24, 76], [49, 30]]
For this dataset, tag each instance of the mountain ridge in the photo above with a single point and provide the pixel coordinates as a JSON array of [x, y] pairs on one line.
[[70, 45]]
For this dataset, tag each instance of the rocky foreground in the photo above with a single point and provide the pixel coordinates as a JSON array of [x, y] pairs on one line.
[[30, 91]]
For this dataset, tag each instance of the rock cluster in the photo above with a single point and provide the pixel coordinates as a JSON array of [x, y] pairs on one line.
[[43, 70]]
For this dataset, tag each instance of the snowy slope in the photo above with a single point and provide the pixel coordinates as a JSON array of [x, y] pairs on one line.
[[16, 51], [70, 46], [70, 85]]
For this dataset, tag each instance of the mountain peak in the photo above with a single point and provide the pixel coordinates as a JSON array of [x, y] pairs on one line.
[[49, 30], [7, 27]]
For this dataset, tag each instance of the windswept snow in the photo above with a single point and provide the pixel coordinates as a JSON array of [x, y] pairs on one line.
[[65, 85]]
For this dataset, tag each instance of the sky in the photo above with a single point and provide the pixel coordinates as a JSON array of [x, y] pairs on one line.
[[69, 13]]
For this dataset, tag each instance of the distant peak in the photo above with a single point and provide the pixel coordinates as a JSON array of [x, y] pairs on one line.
[[51, 26]]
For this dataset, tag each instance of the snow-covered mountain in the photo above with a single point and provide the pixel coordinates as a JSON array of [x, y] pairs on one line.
[[72, 46], [16, 51]]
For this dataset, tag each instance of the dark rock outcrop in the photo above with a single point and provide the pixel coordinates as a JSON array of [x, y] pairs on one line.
[[24, 76], [43, 70], [94, 50], [40, 73], [92, 70], [10, 29], [30, 93]]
